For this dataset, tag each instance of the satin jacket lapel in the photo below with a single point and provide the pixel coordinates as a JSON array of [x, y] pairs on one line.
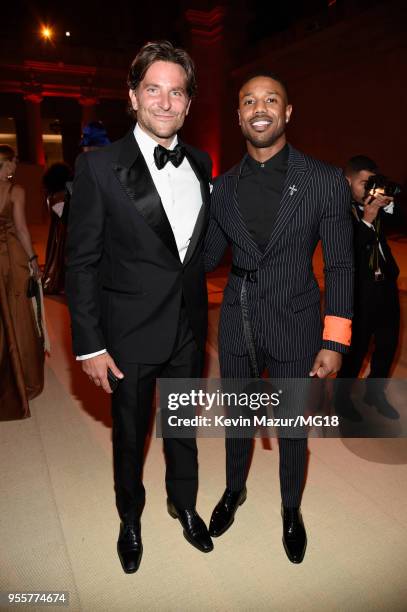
[[203, 215], [296, 182], [236, 216], [134, 176]]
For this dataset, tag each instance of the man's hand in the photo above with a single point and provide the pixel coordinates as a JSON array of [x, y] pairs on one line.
[[372, 206], [96, 369], [326, 362]]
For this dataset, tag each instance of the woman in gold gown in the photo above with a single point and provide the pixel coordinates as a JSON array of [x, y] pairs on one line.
[[21, 346]]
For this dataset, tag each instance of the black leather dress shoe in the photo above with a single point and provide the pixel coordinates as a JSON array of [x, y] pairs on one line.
[[224, 512], [130, 547], [195, 530], [382, 404], [345, 408], [294, 536]]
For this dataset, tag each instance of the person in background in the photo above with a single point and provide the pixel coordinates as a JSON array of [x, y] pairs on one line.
[[54, 181], [377, 307], [94, 136], [21, 340], [58, 186]]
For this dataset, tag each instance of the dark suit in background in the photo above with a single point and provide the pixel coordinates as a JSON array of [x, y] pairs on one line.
[[377, 308]]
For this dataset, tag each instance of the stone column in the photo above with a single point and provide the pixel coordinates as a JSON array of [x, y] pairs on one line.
[[22, 139], [34, 125], [88, 104]]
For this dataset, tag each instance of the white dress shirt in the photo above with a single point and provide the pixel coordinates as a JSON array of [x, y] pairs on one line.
[[180, 194]]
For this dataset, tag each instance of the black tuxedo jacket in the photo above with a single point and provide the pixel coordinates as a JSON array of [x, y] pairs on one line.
[[285, 300], [125, 279]]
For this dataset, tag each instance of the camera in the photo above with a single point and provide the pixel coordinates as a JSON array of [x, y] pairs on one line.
[[378, 184]]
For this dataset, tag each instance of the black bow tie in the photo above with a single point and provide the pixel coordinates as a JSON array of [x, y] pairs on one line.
[[163, 155]]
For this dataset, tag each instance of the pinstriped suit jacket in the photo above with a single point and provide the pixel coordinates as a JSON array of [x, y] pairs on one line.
[[285, 300]]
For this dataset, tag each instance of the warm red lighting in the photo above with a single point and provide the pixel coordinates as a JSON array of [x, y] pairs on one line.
[[46, 32]]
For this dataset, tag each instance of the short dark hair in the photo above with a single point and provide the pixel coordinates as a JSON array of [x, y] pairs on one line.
[[161, 50], [268, 74], [7, 153], [357, 163], [56, 176]]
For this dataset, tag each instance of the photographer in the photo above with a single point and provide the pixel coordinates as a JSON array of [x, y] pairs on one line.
[[377, 308]]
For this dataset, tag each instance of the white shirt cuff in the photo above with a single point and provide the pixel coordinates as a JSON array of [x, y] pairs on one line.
[[83, 357], [368, 224]]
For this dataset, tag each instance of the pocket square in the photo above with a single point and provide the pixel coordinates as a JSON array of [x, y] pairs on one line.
[[210, 187]]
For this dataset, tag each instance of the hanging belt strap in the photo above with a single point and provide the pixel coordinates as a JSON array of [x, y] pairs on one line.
[[251, 277]]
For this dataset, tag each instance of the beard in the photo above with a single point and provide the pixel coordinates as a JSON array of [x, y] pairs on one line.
[[262, 140], [158, 129]]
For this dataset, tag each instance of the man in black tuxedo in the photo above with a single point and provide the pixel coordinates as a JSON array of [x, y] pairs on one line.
[[272, 209], [377, 307], [136, 283]]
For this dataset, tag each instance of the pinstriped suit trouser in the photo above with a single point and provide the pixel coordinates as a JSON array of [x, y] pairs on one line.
[[293, 452]]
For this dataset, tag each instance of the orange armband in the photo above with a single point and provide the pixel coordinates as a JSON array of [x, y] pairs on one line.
[[337, 329]]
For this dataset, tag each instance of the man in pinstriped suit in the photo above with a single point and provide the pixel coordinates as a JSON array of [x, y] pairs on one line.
[[272, 209]]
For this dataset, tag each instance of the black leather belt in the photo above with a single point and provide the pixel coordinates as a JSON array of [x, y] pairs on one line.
[[251, 277]]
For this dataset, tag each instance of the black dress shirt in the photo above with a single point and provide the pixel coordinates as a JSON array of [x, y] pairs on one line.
[[259, 194]]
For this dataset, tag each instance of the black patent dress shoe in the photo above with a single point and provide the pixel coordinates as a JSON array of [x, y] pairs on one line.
[[224, 512], [130, 547], [294, 536], [195, 530]]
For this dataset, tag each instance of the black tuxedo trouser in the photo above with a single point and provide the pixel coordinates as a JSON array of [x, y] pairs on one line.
[[377, 315], [293, 452], [131, 413]]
